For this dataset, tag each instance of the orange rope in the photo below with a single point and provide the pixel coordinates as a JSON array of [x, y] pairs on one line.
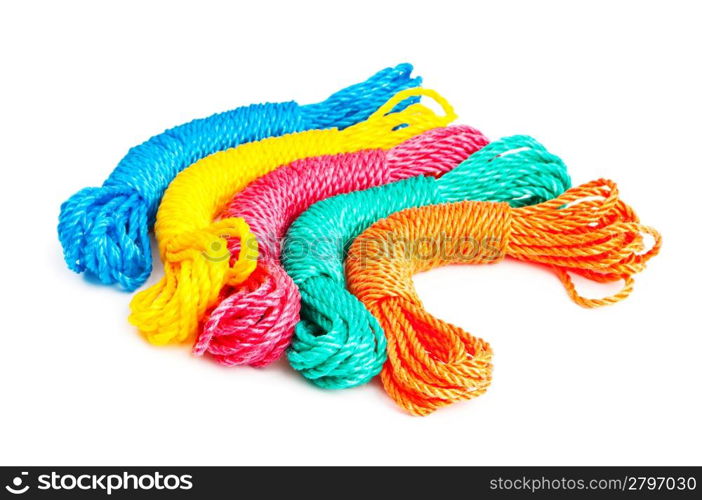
[[587, 231]]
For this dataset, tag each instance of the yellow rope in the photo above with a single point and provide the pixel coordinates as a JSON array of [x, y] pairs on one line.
[[193, 246]]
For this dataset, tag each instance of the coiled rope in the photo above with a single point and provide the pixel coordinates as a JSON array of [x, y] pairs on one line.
[[254, 323], [338, 343], [104, 230], [193, 245], [587, 231]]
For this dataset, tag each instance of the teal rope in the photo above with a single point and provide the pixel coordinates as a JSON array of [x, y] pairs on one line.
[[338, 343]]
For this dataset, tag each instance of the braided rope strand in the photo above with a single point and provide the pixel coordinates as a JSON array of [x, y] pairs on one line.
[[338, 343], [193, 245], [255, 322], [587, 231], [104, 230]]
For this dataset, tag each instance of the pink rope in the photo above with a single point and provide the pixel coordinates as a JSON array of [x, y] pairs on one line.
[[253, 325]]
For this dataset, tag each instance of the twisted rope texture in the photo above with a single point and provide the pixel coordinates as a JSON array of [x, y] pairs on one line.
[[194, 247], [338, 343], [587, 231], [104, 231], [254, 323]]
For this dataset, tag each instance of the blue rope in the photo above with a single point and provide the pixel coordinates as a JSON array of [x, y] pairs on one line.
[[104, 231]]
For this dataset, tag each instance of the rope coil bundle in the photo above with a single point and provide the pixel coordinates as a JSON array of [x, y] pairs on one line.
[[338, 343], [254, 323], [254, 234], [587, 231], [193, 245], [104, 231]]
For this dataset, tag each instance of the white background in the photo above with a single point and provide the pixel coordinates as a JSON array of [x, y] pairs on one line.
[[611, 87]]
